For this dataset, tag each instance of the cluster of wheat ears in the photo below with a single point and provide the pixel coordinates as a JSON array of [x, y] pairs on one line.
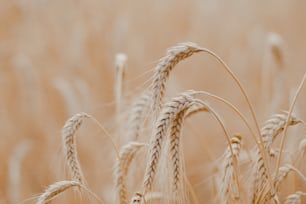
[[253, 175]]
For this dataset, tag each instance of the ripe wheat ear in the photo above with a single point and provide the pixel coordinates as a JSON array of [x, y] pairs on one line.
[[228, 189], [126, 156], [271, 129], [69, 143], [55, 189], [168, 114]]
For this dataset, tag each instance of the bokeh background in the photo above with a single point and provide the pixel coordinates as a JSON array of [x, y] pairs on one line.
[[57, 59]]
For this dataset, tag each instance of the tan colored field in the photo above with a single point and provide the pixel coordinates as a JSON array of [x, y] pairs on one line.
[[57, 59]]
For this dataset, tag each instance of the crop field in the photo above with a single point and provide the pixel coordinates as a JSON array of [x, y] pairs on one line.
[[152, 102]]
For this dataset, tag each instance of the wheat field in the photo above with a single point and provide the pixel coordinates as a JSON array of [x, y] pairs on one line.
[[129, 102]]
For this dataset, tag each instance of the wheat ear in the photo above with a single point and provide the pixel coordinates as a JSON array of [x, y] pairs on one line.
[[175, 149], [137, 199], [274, 126], [55, 189], [126, 156], [272, 73], [139, 109], [69, 143], [166, 64], [227, 183], [282, 143], [168, 114], [294, 198], [271, 129], [120, 65]]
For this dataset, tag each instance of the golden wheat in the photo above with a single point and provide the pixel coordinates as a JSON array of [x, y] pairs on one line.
[[69, 143], [126, 155]]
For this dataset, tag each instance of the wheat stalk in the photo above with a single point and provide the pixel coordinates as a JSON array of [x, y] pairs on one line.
[[282, 142], [126, 156], [174, 56], [69, 143], [68, 93], [302, 146]]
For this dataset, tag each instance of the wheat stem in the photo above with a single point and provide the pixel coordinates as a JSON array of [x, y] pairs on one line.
[[282, 144]]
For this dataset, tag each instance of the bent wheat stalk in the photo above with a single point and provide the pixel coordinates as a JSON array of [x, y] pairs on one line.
[[173, 57], [271, 129]]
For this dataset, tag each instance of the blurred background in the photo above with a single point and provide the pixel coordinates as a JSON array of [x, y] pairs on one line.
[[57, 59]]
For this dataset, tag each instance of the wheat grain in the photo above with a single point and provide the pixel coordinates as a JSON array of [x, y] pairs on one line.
[[69, 143]]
